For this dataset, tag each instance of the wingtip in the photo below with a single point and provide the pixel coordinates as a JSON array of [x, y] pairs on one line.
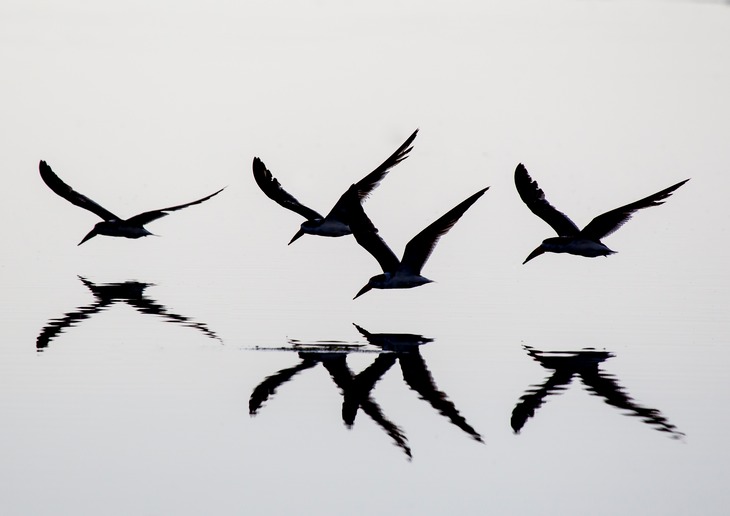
[[258, 166]]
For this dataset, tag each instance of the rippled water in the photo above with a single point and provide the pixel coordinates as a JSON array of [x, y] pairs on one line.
[[216, 370]]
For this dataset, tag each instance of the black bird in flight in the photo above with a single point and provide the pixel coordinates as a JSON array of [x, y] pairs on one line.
[[333, 225], [404, 273], [112, 225], [586, 241]]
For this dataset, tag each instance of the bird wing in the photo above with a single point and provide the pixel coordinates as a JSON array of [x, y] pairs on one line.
[[366, 233], [149, 216], [607, 223], [273, 190], [534, 198], [62, 189], [421, 246], [368, 183], [419, 379]]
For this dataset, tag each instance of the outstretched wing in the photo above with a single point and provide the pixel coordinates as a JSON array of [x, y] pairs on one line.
[[149, 216], [368, 183], [273, 190], [366, 233], [534, 198], [419, 249], [607, 223], [62, 189]]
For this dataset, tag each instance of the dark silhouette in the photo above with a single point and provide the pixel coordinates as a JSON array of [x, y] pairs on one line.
[[406, 347], [356, 389], [129, 292], [111, 225], [404, 273], [565, 365], [335, 223], [570, 239]]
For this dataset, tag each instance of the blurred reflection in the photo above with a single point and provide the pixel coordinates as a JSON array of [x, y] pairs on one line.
[[129, 292], [585, 364], [356, 388]]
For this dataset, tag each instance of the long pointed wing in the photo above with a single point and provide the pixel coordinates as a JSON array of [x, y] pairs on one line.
[[69, 319], [267, 388], [534, 198], [146, 306], [149, 216], [273, 190], [368, 183], [366, 233], [62, 189], [418, 377], [421, 246], [343, 378], [535, 397], [607, 223], [606, 386]]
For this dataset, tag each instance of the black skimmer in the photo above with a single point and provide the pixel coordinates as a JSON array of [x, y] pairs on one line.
[[586, 241], [107, 294], [404, 273], [584, 364], [406, 346], [355, 388], [112, 225], [333, 225]]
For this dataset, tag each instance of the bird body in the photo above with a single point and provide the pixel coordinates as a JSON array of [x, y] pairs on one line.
[[571, 239], [112, 225], [117, 228], [324, 227], [573, 245], [404, 273], [333, 224]]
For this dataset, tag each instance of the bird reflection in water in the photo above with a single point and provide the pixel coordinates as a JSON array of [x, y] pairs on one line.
[[585, 364], [107, 294], [356, 388]]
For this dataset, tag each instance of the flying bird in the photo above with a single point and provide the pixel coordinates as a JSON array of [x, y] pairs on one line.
[[333, 225], [112, 225], [404, 273], [581, 242]]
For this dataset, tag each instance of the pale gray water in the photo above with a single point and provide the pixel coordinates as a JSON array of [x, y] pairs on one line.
[[142, 405]]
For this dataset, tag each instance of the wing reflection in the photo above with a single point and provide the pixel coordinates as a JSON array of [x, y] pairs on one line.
[[356, 389], [584, 364], [130, 292], [405, 347]]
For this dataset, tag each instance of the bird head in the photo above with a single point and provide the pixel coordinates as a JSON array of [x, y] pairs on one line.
[[374, 282], [549, 245], [363, 290], [308, 226], [533, 254], [91, 234]]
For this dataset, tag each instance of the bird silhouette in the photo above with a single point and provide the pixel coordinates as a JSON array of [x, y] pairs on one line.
[[111, 225], [571, 240], [404, 273], [333, 225]]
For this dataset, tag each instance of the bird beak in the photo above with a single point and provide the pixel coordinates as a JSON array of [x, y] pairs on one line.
[[362, 291], [90, 235], [533, 254], [299, 233]]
